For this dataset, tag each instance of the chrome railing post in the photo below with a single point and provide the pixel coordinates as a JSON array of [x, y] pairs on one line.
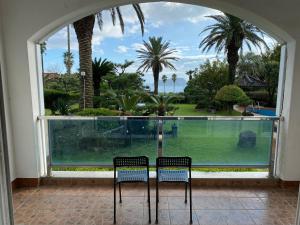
[[47, 148], [160, 138], [271, 154]]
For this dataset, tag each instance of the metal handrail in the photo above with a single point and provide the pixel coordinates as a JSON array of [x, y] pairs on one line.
[[255, 118]]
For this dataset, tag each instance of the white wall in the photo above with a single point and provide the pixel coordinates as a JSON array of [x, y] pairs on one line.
[[25, 22], [7, 107]]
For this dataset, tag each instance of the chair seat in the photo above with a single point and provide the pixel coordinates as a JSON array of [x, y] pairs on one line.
[[132, 176], [173, 176]]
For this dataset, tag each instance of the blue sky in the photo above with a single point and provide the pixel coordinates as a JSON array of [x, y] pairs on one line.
[[180, 24]]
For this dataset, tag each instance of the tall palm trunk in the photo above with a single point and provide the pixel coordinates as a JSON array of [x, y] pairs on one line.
[[97, 87], [232, 59], [156, 78], [69, 51], [84, 32]]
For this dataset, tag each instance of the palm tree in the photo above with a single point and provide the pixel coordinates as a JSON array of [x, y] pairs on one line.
[[68, 61], [123, 66], [84, 32], [190, 74], [68, 55], [174, 78], [163, 104], [127, 103], [164, 79], [43, 49], [156, 55], [229, 33], [100, 69]]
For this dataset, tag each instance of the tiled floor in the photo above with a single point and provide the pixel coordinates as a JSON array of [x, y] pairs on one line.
[[91, 205]]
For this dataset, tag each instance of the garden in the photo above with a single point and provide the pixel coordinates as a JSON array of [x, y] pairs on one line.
[[217, 87]]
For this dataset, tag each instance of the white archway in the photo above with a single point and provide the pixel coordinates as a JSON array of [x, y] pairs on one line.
[[35, 20]]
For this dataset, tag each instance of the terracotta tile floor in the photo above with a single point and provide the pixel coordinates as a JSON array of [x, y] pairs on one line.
[[91, 205]]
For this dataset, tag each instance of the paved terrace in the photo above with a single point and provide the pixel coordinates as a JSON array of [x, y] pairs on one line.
[[93, 205]]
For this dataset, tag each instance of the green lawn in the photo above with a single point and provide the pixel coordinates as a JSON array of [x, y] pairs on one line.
[[189, 110]]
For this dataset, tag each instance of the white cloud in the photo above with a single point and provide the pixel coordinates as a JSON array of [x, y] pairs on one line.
[[59, 40], [137, 46], [122, 49], [159, 13], [197, 18]]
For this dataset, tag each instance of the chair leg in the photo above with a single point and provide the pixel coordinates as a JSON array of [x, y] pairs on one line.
[[157, 197], [120, 193], [185, 201], [114, 202], [191, 213], [149, 203]]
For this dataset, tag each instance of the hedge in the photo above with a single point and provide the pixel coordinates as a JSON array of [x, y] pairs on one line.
[[98, 112]]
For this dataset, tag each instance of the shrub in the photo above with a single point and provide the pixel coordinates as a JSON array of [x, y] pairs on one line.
[[62, 106], [51, 97], [104, 101], [98, 112], [232, 94], [259, 96]]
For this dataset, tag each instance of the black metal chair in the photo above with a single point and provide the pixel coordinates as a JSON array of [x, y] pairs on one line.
[[174, 169], [130, 170]]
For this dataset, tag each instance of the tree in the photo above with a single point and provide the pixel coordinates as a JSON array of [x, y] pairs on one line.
[[156, 55], [43, 47], [190, 74], [100, 69], [271, 74], [68, 61], [207, 80], [128, 103], [263, 67], [271, 61], [68, 56], [164, 79], [250, 64], [174, 78], [163, 104], [123, 66], [230, 33], [84, 32], [232, 94]]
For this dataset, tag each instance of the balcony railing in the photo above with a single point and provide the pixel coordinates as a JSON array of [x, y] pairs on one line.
[[210, 141]]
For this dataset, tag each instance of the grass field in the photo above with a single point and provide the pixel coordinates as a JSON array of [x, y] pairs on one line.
[[189, 110]]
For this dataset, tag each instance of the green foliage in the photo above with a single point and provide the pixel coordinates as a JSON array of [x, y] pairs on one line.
[[125, 83], [156, 55], [98, 112], [205, 83], [121, 67], [265, 68], [232, 94], [128, 103], [62, 106], [68, 61], [53, 97], [101, 68], [260, 95], [65, 83], [162, 104], [228, 34]]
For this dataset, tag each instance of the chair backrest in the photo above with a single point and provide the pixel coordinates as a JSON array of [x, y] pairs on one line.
[[137, 161], [174, 162]]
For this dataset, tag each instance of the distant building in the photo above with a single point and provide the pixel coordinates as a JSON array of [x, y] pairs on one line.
[[51, 76], [250, 82]]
